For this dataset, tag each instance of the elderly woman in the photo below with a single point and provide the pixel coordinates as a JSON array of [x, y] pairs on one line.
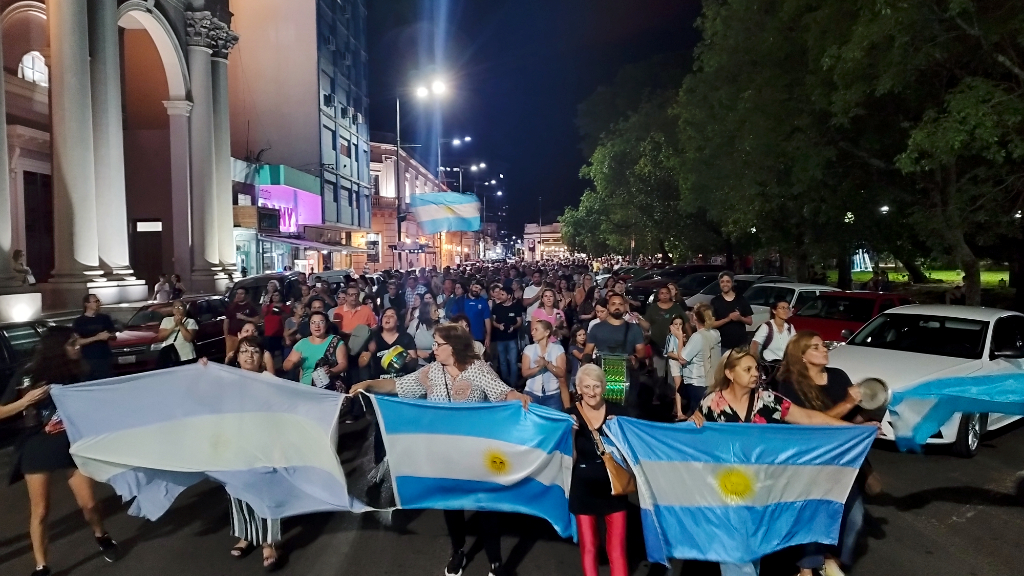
[[590, 495], [458, 375]]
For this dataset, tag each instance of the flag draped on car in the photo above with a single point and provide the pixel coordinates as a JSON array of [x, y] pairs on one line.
[[736, 492], [269, 441], [446, 212], [495, 457]]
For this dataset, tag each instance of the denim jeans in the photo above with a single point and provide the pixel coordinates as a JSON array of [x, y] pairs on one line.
[[508, 361], [745, 569], [853, 521], [550, 400]]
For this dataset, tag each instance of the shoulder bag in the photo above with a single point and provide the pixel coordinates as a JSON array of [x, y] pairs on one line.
[[622, 480], [169, 356], [322, 378]]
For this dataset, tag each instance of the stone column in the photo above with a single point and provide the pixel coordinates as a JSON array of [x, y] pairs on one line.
[[74, 171], [200, 32], [181, 205], [108, 137], [8, 279], [226, 40]]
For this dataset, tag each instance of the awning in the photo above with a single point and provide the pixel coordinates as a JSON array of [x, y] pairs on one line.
[[310, 245]]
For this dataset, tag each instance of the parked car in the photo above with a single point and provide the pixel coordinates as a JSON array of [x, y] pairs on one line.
[[18, 341], [256, 286], [762, 296], [689, 278], [740, 284], [909, 345], [335, 277], [137, 348], [833, 313]]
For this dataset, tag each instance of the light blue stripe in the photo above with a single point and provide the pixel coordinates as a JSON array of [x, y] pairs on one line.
[[737, 534], [539, 427], [525, 497], [744, 443], [186, 392], [441, 199], [450, 224]]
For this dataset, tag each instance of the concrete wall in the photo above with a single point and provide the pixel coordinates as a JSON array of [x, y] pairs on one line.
[[273, 82]]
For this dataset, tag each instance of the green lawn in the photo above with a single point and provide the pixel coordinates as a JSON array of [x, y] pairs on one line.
[[989, 279]]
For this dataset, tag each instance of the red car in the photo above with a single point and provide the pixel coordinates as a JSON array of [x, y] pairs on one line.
[[831, 313], [137, 349]]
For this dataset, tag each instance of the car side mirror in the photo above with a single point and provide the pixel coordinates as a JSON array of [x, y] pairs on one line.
[[119, 326], [846, 334], [1008, 354]]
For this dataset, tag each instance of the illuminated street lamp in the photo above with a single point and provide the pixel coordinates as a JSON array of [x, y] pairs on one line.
[[438, 87]]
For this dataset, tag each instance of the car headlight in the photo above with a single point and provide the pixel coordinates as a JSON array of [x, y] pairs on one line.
[[156, 347], [833, 344]]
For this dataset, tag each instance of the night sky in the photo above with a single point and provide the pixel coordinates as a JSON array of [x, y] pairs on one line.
[[518, 70]]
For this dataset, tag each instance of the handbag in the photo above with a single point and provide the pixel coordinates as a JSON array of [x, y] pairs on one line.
[[622, 480], [169, 356], [322, 378]]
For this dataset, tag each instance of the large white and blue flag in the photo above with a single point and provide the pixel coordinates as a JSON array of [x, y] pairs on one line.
[[737, 492], [270, 442], [495, 457], [446, 212], [919, 412]]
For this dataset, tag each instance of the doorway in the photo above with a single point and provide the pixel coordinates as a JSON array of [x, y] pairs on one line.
[[39, 225], [146, 250]]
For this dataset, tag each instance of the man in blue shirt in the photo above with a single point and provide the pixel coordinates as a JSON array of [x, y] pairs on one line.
[[476, 307]]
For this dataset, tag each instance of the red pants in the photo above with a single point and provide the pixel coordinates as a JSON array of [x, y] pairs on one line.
[[615, 543]]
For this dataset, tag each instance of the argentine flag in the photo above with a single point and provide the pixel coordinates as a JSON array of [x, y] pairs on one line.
[[480, 456], [269, 441], [919, 412], [446, 212], [737, 492]]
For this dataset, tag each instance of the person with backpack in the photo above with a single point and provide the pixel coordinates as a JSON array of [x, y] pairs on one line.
[[771, 338], [699, 358]]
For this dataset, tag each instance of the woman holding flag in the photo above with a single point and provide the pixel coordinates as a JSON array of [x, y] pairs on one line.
[[735, 397], [457, 375]]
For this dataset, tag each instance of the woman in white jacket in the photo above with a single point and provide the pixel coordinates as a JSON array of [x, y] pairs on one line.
[[699, 358]]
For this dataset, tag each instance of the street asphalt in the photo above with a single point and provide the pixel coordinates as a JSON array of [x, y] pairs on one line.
[[939, 516]]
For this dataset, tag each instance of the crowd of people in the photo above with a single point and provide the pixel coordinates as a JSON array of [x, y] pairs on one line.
[[534, 333]]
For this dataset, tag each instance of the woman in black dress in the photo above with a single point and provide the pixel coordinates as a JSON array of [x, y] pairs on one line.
[[386, 336], [44, 448], [590, 495]]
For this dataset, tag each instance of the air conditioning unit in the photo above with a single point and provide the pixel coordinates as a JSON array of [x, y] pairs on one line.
[[359, 118], [350, 112], [330, 43], [329, 101]]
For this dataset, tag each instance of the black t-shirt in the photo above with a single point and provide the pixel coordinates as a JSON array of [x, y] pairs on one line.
[[591, 490], [506, 315], [405, 340], [835, 391], [611, 339], [89, 326], [734, 334]]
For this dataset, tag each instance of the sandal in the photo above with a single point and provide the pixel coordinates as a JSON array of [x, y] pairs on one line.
[[240, 551], [271, 563]]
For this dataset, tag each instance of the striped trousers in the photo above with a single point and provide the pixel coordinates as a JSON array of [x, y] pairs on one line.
[[247, 525]]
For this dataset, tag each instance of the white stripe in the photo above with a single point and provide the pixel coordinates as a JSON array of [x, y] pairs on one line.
[[216, 442], [705, 484], [471, 458], [425, 213]]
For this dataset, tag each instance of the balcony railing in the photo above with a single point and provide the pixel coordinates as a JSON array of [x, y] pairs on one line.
[[383, 202]]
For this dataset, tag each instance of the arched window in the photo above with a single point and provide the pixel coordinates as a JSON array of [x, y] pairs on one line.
[[33, 68]]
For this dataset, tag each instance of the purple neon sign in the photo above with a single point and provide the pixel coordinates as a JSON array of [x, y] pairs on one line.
[[297, 207]]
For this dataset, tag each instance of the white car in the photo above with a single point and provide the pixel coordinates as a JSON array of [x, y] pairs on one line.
[[909, 345], [762, 296], [740, 284]]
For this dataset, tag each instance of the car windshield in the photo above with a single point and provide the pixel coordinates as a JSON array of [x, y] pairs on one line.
[[839, 308], [695, 282], [762, 295], [922, 334], [150, 315]]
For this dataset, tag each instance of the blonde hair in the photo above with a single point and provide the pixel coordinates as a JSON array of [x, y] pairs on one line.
[[705, 315], [730, 361], [593, 373]]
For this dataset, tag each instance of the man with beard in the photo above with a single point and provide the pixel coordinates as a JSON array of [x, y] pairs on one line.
[[614, 335], [478, 310]]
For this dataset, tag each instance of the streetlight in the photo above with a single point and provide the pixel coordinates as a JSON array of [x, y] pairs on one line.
[[474, 167], [482, 165], [438, 87], [884, 209], [421, 92], [494, 181], [499, 192]]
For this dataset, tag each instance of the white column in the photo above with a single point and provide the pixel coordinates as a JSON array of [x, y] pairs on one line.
[[205, 254], [74, 172], [222, 149], [108, 137], [7, 277], [181, 204]]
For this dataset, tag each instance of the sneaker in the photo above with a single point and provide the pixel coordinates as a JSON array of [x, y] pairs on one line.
[[111, 552], [498, 569], [41, 571], [455, 564]]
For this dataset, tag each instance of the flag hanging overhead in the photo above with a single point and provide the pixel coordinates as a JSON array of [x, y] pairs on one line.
[[737, 492], [446, 212], [270, 442], [495, 457]]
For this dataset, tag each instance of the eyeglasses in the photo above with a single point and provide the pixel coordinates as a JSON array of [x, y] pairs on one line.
[[249, 352], [317, 323], [439, 344]]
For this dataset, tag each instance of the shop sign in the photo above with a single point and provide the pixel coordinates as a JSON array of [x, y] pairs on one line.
[[296, 207], [374, 256]]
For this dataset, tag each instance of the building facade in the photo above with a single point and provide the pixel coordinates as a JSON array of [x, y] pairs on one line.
[[540, 242], [118, 146]]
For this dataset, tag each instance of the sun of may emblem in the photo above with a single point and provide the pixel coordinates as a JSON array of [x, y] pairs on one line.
[[497, 463], [450, 210], [735, 485]]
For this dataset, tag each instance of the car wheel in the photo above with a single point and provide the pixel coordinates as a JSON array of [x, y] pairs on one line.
[[968, 435]]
